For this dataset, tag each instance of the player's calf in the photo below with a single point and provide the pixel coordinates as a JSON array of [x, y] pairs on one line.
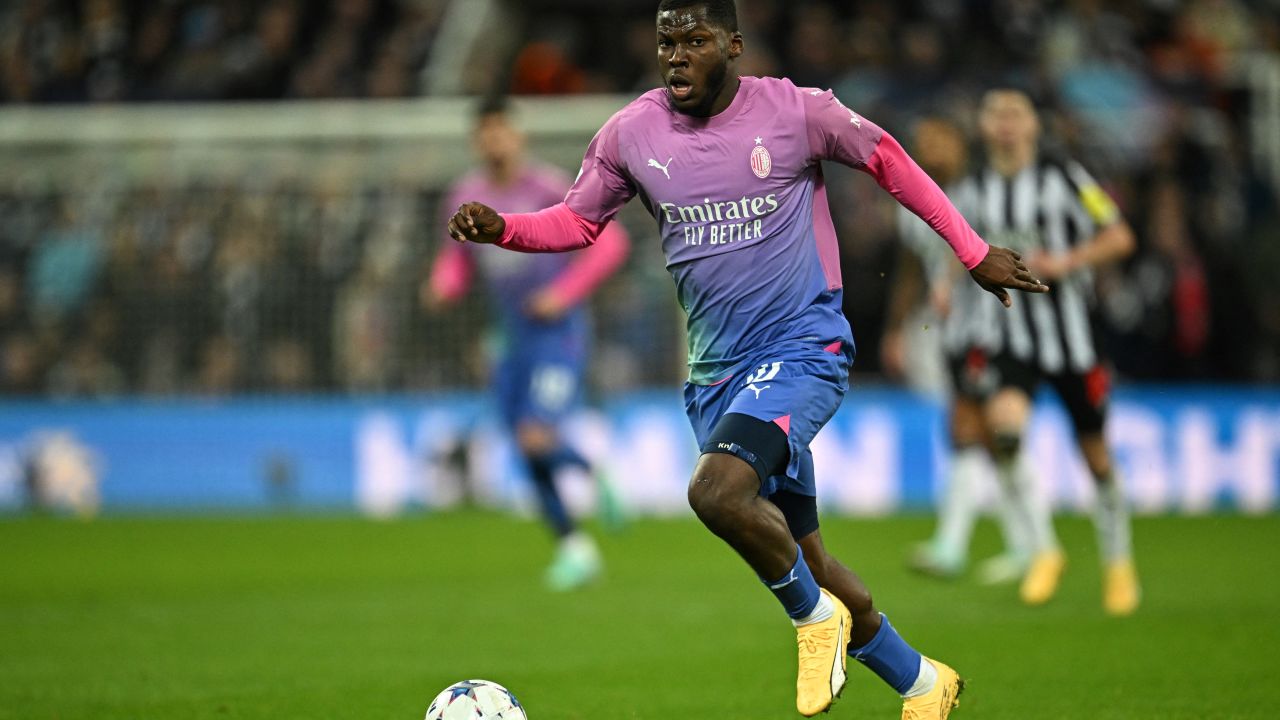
[[724, 494], [843, 583]]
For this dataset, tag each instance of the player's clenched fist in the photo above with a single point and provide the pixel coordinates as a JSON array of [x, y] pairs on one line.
[[476, 222]]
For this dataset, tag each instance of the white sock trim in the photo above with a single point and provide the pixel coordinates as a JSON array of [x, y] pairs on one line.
[[822, 611], [925, 681]]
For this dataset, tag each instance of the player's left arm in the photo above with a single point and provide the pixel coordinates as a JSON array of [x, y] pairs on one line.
[[837, 133], [1112, 241]]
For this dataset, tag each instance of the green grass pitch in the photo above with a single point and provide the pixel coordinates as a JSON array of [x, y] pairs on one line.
[[337, 617]]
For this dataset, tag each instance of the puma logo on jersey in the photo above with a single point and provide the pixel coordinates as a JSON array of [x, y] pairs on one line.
[[757, 390], [655, 164]]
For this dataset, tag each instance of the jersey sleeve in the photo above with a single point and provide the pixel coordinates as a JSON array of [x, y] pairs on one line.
[[835, 132], [603, 185], [1090, 197]]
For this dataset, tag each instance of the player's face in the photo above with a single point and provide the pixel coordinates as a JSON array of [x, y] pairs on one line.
[[1008, 120], [940, 150], [496, 140], [694, 56]]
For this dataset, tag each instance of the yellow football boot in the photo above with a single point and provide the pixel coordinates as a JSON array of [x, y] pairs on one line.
[[1121, 593], [823, 654], [938, 703], [1041, 581]]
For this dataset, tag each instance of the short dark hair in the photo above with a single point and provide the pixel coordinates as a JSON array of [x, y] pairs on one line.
[[1018, 86], [721, 12], [491, 105]]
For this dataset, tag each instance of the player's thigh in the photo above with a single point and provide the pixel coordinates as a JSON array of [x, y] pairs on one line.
[[1009, 407], [800, 511], [761, 444], [968, 423]]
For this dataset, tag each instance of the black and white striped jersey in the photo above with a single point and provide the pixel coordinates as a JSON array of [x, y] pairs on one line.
[[1050, 206]]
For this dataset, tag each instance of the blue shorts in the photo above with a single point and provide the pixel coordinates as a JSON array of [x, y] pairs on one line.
[[540, 378], [795, 385]]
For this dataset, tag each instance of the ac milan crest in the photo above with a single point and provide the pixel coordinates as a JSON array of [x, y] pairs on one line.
[[761, 162]]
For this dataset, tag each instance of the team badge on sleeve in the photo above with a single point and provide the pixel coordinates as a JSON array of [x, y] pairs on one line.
[[761, 162]]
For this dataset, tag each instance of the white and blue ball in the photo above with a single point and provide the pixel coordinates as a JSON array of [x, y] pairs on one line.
[[475, 700]]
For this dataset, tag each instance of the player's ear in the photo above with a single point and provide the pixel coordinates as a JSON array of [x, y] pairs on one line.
[[735, 45]]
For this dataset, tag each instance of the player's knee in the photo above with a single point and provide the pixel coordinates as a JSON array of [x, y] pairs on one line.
[[535, 439], [710, 501], [1005, 445], [717, 498], [1096, 455]]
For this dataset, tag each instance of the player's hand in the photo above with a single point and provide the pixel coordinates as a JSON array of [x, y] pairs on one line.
[[1002, 270], [476, 222], [1050, 266], [546, 305]]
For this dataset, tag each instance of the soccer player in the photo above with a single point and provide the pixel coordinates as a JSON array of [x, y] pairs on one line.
[[544, 326], [1052, 211], [941, 148], [910, 348], [731, 169]]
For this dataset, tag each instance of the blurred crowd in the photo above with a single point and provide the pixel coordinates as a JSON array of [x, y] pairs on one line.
[[300, 285], [69, 51], [213, 289]]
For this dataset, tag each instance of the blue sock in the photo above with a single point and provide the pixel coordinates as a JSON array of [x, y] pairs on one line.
[[797, 590], [542, 472], [890, 657]]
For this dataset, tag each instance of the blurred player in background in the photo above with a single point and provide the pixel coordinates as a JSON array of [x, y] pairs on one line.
[[544, 326], [1058, 217], [731, 169], [912, 349]]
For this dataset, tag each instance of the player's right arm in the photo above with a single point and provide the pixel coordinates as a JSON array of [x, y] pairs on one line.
[[602, 188]]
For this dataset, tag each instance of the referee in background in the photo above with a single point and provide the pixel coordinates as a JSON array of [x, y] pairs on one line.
[[1052, 212]]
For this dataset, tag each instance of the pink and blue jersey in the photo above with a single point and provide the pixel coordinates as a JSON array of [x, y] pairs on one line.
[[741, 204], [742, 209]]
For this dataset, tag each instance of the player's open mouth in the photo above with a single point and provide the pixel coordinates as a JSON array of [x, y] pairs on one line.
[[680, 88]]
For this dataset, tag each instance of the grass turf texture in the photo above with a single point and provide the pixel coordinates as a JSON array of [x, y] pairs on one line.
[[345, 618]]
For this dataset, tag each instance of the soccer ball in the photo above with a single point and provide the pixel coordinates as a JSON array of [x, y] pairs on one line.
[[475, 700]]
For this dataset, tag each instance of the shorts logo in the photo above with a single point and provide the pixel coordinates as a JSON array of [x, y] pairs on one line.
[[763, 374], [761, 161]]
